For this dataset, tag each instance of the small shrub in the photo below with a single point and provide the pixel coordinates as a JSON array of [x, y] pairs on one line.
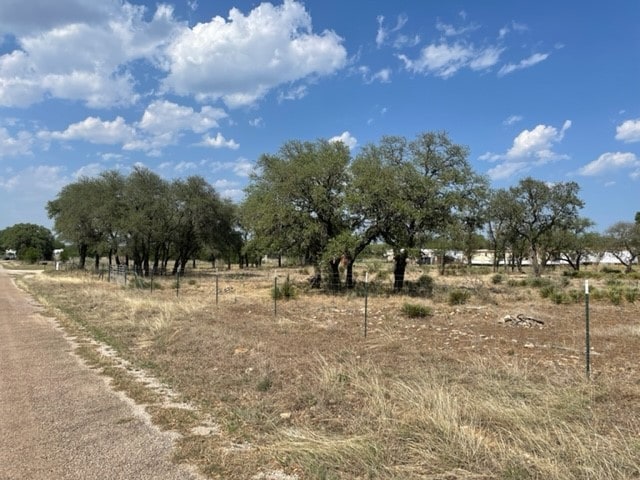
[[192, 282], [413, 310], [559, 297], [630, 295], [287, 291], [458, 296], [615, 295], [576, 296], [538, 282], [264, 384], [497, 279], [611, 271], [423, 286], [547, 291]]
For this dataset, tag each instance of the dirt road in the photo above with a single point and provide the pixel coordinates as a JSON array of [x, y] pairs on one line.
[[59, 419]]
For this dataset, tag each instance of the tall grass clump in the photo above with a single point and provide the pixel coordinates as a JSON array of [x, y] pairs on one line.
[[458, 296], [286, 291], [414, 310]]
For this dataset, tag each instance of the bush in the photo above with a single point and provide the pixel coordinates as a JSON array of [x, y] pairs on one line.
[[286, 291], [548, 291], [458, 296], [631, 294], [615, 295], [497, 279], [413, 310], [423, 286]]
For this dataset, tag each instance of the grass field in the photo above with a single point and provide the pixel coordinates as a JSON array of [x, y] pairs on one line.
[[441, 387]]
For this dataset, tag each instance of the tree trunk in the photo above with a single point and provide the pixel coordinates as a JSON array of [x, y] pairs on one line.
[[97, 262], [82, 251], [399, 268], [334, 264], [349, 279]]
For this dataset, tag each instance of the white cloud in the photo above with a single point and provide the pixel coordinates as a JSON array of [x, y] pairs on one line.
[[629, 131], [526, 63], [382, 76], [94, 130], [243, 167], [218, 142], [81, 52], [345, 137], [90, 170], [451, 31], [163, 117], [295, 93], [20, 144], [537, 142], [383, 33], [507, 169], [270, 46], [257, 122], [530, 148], [446, 59], [512, 119], [608, 162], [39, 178]]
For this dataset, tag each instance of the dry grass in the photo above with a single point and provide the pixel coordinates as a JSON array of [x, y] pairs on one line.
[[456, 395]]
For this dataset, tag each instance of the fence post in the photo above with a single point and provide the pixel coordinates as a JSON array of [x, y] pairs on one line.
[[587, 339], [366, 301], [216, 286], [275, 295]]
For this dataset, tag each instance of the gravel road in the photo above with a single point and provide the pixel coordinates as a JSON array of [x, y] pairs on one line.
[[58, 418]]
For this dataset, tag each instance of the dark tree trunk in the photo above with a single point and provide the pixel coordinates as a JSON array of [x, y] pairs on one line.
[[334, 279], [97, 262], [82, 251], [350, 282], [398, 270]]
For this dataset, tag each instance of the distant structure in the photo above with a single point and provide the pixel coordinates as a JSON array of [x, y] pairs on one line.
[[10, 254]]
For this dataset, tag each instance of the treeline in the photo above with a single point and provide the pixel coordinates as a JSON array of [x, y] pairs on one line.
[[144, 220], [314, 202]]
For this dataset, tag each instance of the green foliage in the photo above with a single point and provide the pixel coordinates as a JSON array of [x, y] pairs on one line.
[[414, 310], [31, 242], [458, 296], [30, 255], [497, 279], [422, 287], [631, 294], [615, 295], [286, 291]]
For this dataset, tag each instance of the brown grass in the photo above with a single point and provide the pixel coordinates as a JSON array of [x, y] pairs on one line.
[[457, 394]]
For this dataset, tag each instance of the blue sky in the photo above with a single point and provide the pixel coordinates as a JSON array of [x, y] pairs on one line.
[[200, 87]]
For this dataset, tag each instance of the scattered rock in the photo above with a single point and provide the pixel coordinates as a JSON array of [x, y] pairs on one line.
[[521, 320]]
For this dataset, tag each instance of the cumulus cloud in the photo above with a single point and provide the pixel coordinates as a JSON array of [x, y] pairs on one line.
[[20, 144], [629, 131], [530, 148], [345, 137], [103, 37], [609, 162], [218, 142], [269, 46], [161, 125], [525, 63], [163, 117], [94, 130]]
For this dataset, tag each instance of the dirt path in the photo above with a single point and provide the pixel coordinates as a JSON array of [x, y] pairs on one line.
[[59, 419]]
